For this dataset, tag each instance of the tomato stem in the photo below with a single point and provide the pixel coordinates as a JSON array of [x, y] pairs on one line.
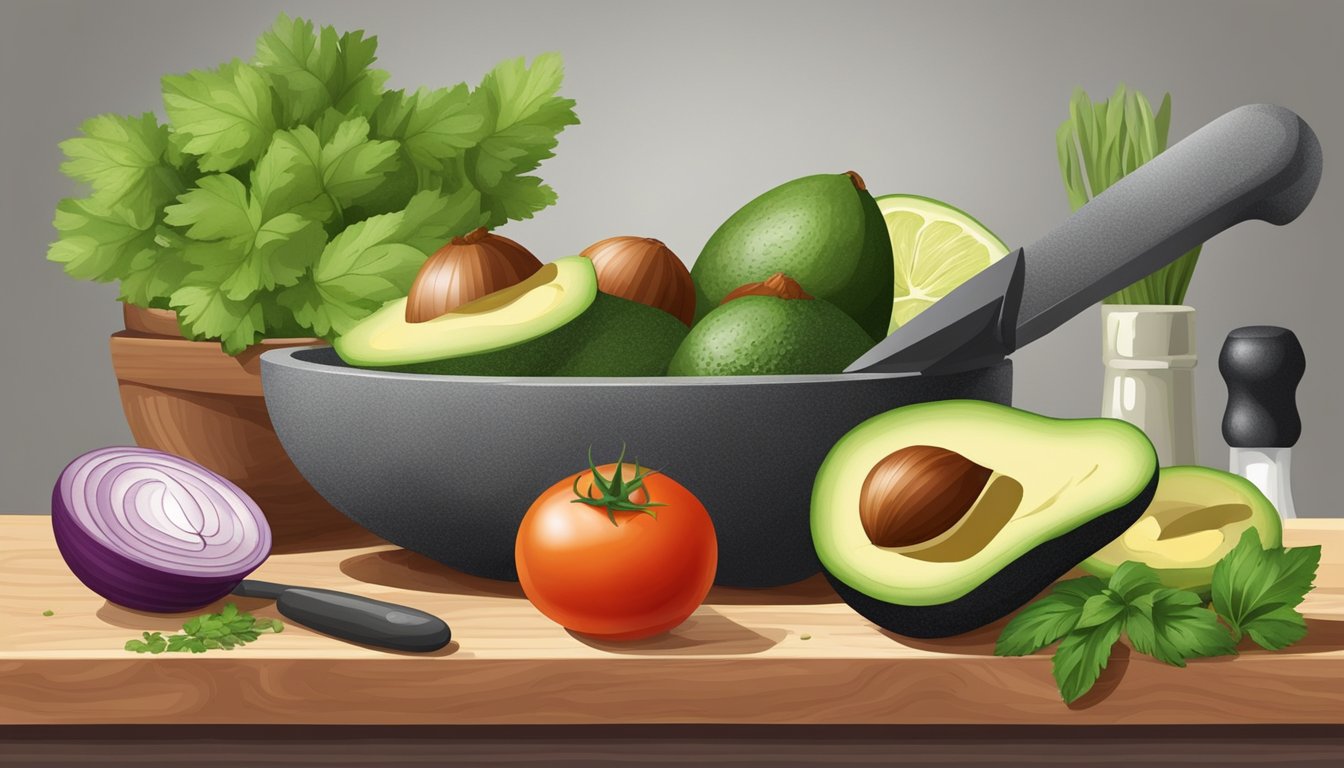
[[615, 493]]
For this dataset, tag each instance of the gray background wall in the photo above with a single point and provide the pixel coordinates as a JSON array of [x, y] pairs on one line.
[[690, 109]]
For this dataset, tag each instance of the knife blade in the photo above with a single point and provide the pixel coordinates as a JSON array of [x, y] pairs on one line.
[[1257, 162]]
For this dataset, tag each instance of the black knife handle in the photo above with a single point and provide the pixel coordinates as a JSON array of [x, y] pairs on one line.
[[1255, 162], [364, 620], [1262, 365]]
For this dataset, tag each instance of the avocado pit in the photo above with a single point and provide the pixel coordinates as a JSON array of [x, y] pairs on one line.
[[918, 493]]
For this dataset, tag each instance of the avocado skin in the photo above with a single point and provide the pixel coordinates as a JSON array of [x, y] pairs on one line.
[[613, 337], [820, 230], [765, 335], [1009, 589]]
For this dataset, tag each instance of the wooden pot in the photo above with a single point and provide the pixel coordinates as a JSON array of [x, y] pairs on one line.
[[191, 399]]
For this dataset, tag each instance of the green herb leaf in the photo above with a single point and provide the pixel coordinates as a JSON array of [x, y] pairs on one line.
[[1256, 591], [1082, 655], [1173, 625], [524, 118], [122, 159], [315, 73], [223, 213], [1048, 619], [222, 115], [154, 273], [1100, 609], [205, 312], [375, 260], [433, 126], [243, 252], [1132, 580], [97, 242], [1099, 144], [225, 630], [319, 178]]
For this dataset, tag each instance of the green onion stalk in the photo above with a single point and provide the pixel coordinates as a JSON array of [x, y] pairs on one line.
[[1102, 143]]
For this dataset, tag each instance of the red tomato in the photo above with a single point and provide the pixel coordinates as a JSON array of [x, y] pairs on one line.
[[615, 573]]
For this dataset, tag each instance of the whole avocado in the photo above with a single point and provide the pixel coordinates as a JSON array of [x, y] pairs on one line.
[[770, 328], [824, 231]]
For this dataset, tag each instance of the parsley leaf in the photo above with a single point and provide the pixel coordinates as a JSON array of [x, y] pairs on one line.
[[375, 260], [433, 126], [97, 242], [1173, 625], [153, 274], [524, 117], [1082, 655], [313, 74], [223, 115], [1256, 591], [226, 630], [123, 160], [320, 178], [243, 249], [1048, 619], [224, 212]]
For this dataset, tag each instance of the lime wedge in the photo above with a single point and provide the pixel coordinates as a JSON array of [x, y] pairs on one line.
[[936, 248]]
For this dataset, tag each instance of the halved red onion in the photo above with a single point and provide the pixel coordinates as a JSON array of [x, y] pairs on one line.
[[153, 531]]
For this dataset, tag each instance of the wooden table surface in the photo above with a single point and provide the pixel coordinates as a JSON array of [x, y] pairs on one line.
[[789, 655]]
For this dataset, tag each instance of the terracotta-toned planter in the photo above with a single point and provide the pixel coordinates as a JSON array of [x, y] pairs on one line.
[[191, 399]]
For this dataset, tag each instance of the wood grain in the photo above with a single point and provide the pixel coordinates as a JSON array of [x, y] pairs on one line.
[[742, 658], [191, 399]]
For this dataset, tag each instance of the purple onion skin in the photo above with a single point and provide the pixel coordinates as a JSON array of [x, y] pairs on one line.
[[123, 581], [130, 583]]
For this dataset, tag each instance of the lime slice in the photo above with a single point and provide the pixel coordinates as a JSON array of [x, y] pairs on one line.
[[936, 247]]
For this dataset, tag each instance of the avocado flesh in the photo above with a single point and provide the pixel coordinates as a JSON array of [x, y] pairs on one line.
[[553, 296], [1196, 517], [822, 231], [1062, 489], [613, 337], [766, 335]]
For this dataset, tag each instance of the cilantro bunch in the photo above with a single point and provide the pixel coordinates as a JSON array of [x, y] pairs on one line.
[[225, 631], [1255, 593], [292, 195]]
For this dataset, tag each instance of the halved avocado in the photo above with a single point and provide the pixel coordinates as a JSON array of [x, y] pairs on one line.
[[613, 337], [554, 295], [1054, 492], [1196, 517]]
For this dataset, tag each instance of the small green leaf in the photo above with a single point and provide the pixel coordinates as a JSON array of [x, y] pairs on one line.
[[98, 243], [222, 115], [1081, 657], [123, 159], [1278, 628], [1100, 609], [1255, 590], [1173, 625], [1048, 619], [1132, 579], [433, 126]]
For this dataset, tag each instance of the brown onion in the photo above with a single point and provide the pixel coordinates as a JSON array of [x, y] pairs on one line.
[[464, 270], [644, 270]]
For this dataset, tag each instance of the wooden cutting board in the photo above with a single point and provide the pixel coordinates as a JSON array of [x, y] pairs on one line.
[[790, 655]]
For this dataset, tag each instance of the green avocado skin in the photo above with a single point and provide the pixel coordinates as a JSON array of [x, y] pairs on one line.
[[765, 335], [613, 337], [822, 231]]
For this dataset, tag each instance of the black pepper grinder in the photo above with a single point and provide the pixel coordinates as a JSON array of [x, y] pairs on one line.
[[1262, 365]]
